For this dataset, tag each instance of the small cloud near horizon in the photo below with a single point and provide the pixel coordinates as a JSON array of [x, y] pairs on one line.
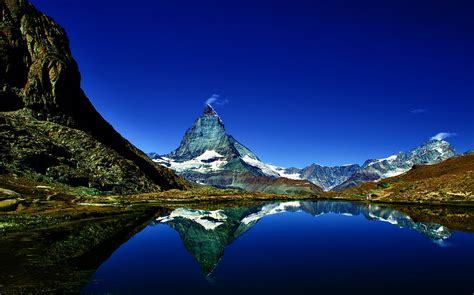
[[216, 99], [417, 111], [443, 135]]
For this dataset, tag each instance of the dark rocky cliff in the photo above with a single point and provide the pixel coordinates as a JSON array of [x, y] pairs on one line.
[[49, 129]]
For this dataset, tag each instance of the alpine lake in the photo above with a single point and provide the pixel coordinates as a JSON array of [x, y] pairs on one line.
[[288, 247]]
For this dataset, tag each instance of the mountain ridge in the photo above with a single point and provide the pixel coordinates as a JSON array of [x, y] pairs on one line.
[[430, 152], [446, 181], [208, 155]]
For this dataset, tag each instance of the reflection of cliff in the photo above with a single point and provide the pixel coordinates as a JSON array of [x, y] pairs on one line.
[[57, 254], [205, 234]]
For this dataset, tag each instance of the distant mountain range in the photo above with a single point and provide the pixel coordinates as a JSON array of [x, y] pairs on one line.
[[448, 181], [430, 152], [208, 155]]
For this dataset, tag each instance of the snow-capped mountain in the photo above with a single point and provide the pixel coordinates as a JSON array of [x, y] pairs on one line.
[[324, 176], [340, 177], [208, 137], [208, 155], [431, 152], [206, 148]]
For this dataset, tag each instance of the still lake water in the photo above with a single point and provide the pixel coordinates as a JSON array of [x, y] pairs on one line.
[[290, 248]]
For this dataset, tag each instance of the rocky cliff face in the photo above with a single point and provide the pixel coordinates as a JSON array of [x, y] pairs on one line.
[[49, 129]]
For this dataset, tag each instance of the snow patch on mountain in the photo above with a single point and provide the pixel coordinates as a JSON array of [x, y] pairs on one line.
[[283, 173], [396, 172], [208, 161], [270, 170], [266, 169], [271, 209], [210, 220], [389, 159], [207, 155]]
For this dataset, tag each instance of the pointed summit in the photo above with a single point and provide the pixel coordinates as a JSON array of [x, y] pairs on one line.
[[208, 135], [209, 110], [433, 151]]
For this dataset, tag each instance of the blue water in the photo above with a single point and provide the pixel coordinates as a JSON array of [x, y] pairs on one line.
[[292, 252]]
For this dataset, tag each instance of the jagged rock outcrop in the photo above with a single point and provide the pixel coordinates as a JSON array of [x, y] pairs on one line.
[[49, 130]]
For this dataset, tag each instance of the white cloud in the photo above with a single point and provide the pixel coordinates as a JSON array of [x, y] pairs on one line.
[[212, 99], [216, 99], [443, 135]]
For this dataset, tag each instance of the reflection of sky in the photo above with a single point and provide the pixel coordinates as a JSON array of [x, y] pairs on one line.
[[293, 251], [155, 254]]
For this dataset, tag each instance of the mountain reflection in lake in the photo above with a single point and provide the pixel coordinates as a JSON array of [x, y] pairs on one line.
[[282, 247]]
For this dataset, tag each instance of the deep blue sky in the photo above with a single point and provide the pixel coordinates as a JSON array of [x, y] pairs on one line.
[[330, 82]]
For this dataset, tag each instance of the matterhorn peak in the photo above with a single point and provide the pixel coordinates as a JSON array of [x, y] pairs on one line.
[[209, 110]]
